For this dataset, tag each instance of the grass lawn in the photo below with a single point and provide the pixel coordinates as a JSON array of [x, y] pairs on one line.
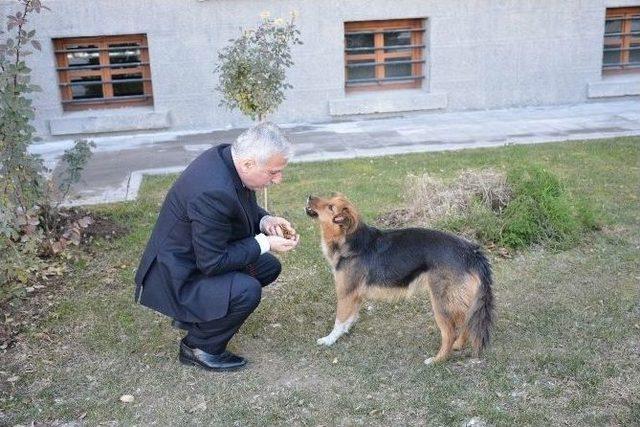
[[566, 346]]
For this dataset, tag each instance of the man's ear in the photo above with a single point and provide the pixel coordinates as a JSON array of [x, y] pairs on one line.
[[248, 164]]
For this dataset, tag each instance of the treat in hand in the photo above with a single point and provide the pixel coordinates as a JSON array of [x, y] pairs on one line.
[[287, 233]]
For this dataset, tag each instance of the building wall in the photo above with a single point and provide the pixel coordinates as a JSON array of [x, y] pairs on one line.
[[480, 54]]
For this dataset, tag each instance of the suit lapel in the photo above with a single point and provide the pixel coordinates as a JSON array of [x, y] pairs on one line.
[[242, 197], [242, 192]]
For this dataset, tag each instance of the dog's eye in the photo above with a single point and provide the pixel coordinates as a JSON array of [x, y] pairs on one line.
[[330, 207]]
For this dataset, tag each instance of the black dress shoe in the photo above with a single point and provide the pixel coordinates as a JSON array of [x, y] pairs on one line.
[[225, 361]]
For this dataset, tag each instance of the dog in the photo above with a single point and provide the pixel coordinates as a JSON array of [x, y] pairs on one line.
[[372, 263]]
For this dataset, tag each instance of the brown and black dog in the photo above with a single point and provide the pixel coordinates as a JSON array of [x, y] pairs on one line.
[[372, 263]]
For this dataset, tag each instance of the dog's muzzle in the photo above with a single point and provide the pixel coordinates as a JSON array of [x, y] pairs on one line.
[[309, 210]]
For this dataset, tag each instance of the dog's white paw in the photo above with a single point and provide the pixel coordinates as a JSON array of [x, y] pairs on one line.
[[328, 340], [429, 361]]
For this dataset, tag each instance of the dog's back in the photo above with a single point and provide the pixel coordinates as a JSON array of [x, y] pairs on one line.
[[394, 258]]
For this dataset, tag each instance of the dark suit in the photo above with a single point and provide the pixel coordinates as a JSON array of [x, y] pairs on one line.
[[202, 262]]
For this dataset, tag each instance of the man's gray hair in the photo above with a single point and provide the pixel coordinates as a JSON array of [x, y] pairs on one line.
[[260, 142]]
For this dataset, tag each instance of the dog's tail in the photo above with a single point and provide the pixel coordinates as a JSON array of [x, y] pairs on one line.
[[480, 318]]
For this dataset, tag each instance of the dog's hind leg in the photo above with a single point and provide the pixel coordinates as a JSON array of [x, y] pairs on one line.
[[348, 308], [462, 339], [448, 334], [446, 313], [466, 295]]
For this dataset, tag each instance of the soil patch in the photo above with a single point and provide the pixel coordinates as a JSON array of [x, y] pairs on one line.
[[101, 227], [30, 302]]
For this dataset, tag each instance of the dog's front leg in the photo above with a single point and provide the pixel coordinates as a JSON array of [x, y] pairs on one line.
[[348, 307]]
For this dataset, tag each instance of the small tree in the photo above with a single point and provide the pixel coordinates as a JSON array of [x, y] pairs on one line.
[[24, 189], [20, 172], [31, 223], [253, 67]]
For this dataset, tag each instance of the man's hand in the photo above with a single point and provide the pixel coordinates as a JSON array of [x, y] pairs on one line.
[[280, 244], [277, 226]]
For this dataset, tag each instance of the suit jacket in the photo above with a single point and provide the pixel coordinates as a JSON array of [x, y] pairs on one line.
[[203, 238]]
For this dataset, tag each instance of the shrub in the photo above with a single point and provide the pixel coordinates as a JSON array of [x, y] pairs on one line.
[[20, 172], [32, 225], [526, 206], [543, 211]]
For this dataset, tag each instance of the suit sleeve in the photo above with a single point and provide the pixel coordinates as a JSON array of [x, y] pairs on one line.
[[261, 214], [210, 215]]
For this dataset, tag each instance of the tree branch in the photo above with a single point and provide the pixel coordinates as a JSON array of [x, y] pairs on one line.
[[27, 3]]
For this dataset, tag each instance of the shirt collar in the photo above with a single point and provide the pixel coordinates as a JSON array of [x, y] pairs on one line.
[[225, 153]]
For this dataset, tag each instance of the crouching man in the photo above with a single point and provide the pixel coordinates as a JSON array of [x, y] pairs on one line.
[[208, 256]]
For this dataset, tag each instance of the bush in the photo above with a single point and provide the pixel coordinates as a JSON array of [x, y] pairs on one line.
[[543, 211], [32, 225], [526, 206]]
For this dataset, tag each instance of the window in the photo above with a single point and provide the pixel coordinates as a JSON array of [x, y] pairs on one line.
[[384, 54], [622, 40], [103, 72]]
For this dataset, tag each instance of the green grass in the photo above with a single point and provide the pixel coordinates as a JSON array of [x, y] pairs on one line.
[[565, 345], [539, 212]]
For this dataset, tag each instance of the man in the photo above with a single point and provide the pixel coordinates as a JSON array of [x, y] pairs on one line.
[[207, 258]]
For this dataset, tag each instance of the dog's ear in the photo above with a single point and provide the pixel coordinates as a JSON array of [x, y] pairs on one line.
[[346, 219], [340, 219]]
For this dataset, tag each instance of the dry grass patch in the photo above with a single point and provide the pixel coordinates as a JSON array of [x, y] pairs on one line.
[[430, 199]]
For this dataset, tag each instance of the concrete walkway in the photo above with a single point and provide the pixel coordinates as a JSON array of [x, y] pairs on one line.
[[118, 165]]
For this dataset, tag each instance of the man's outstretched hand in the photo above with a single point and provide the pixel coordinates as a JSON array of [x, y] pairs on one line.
[[282, 236], [277, 226], [280, 244]]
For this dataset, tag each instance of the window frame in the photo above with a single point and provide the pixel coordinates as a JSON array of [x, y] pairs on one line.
[[625, 37], [378, 28], [104, 69]]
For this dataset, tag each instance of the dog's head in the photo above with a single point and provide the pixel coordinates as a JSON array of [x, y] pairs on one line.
[[336, 214]]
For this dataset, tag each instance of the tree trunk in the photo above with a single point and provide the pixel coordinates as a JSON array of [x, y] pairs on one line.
[[265, 203], [266, 199]]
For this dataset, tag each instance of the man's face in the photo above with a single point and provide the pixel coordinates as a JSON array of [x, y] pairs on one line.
[[255, 176]]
